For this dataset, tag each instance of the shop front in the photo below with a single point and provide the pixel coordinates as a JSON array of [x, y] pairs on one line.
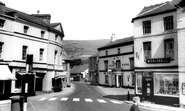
[[158, 87]]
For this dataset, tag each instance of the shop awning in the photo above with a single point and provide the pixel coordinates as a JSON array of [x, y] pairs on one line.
[[5, 73]]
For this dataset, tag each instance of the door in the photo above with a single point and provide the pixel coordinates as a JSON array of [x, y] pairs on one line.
[[148, 88]]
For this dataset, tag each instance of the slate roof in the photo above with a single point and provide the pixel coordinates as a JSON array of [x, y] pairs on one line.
[[118, 43], [78, 69], [15, 14], [155, 10]]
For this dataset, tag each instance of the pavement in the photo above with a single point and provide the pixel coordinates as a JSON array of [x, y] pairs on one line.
[[111, 93]]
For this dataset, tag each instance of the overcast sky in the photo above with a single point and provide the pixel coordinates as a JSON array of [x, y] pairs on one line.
[[87, 19]]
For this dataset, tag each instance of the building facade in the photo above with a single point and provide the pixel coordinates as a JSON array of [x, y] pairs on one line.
[[158, 53], [116, 63], [23, 34]]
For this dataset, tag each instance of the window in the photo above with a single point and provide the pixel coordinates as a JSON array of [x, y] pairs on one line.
[[55, 57], [139, 82], [1, 49], [106, 52], [106, 79], [26, 29], [42, 33], [168, 23], [56, 36], [118, 50], [169, 48], [41, 54], [147, 27], [166, 84], [106, 65], [24, 52], [2, 83], [118, 64], [147, 50], [133, 79], [2, 23], [131, 63]]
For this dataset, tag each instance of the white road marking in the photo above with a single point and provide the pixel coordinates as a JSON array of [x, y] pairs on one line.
[[64, 99], [76, 99], [42, 99], [101, 101], [116, 102], [52, 99], [88, 100]]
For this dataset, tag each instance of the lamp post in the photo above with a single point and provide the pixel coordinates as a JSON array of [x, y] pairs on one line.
[[128, 95]]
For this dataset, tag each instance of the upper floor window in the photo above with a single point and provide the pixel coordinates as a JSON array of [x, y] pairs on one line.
[[118, 50], [106, 52], [147, 50], [55, 56], [169, 48], [168, 23], [118, 64], [24, 52], [42, 33], [56, 37], [147, 27], [131, 63], [26, 29], [41, 54], [106, 65], [1, 49], [2, 23]]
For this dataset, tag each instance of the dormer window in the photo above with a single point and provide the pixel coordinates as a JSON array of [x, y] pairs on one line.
[[26, 29], [42, 33], [2, 23]]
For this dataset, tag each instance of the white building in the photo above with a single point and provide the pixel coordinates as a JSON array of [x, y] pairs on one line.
[[116, 63], [22, 34]]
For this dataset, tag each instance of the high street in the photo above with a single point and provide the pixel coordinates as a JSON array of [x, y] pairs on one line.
[[85, 97]]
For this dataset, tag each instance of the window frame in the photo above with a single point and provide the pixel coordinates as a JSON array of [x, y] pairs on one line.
[[24, 52], [26, 29], [42, 33], [118, 63], [147, 27], [141, 82], [41, 53], [2, 22], [106, 65], [3, 87], [1, 49], [168, 25], [172, 50], [147, 51]]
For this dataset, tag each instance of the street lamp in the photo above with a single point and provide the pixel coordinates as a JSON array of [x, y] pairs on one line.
[[128, 95]]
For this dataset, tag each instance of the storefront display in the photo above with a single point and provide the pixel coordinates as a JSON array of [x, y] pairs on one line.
[[139, 83], [166, 84]]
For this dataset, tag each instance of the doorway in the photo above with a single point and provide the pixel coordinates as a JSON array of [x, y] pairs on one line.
[[148, 88]]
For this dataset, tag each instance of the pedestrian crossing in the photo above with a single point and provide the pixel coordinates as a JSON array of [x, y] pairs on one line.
[[88, 100]]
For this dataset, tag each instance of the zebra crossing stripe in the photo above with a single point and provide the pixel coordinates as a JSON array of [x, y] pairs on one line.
[[116, 102], [88, 100], [42, 99], [101, 101], [64, 99], [76, 99], [52, 99]]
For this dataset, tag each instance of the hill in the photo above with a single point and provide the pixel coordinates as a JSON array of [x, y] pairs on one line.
[[76, 48]]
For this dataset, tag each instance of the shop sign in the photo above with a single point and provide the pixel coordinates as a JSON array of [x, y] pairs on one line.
[[158, 60]]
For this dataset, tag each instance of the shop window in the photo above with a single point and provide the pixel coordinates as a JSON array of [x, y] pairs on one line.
[[139, 83], [147, 27], [166, 84], [147, 50], [118, 64], [169, 48], [168, 23], [106, 65], [2, 83], [24, 52], [106, 79], [41, 54]]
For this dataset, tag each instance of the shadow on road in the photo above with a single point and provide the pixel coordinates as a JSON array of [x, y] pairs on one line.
[[119, 97]]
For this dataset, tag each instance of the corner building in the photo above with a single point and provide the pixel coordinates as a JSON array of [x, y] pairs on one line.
[[159, 53]]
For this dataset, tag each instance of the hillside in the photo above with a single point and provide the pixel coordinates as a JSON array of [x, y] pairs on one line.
[[83, 47]]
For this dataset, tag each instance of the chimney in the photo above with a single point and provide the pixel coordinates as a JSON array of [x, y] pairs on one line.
[[113, 38], [2, 4], [45, 17]]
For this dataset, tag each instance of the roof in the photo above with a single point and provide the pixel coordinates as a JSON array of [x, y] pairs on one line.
[[118, 43], [155, 10], [18, 15], [95, 55], [78, 69]]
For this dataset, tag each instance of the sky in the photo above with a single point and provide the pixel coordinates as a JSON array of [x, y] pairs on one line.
[[87, 19]]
